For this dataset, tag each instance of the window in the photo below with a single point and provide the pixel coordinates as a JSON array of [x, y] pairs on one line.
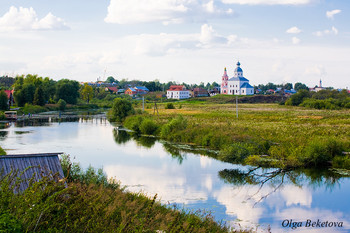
[[242, 91]]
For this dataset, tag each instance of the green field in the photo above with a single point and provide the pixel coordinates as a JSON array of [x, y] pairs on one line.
[[263, 134]]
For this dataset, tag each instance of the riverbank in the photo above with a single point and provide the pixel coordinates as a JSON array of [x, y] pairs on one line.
[[263, 134], [85, 201]]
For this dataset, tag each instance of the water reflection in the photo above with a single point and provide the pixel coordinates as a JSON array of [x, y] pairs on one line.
[[181, 174], [277, 178], [3, 135], [121, 136]]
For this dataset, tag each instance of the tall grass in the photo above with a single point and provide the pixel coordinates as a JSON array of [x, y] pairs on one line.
[[84, 202]]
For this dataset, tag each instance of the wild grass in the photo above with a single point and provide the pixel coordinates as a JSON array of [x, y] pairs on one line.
[[287, 136], [84, 202]]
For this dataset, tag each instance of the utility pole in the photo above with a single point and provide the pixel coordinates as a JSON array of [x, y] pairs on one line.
[[237, 106], [143, 103]]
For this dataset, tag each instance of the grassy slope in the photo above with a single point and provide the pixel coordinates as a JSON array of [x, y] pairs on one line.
[[86, 202]]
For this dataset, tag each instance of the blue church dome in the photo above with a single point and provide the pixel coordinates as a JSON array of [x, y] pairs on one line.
[[238, 69]]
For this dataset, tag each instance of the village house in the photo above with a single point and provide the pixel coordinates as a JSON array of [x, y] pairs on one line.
[[199, 92], [237, 85], [317, 88], [215, 91], [133, 91], [141, 90], [177, 92], [130, 91], [112, 89]]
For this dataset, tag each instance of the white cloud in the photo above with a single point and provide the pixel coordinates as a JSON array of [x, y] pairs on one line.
[[317, 70], [332, 31], [293, 30], [268, 2], [134, 11], [22, 19], [164, 43], [209, 35], [165, 11], [295, 40], [209, 7], [330, 14]]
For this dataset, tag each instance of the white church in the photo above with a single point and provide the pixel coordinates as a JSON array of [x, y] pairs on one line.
[[237, 85]]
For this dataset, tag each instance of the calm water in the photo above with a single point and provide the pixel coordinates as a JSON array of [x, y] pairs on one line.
[[236, 194]]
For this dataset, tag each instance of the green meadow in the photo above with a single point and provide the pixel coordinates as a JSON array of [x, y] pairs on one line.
[[264, 134]]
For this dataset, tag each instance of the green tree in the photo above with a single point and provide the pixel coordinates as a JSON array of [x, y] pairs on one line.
[[62, 104], [300, 86], [298, 97], [49, 88], [121, 108], [288, 86], [86, 92], [39, 98], [68, 90], [24, 94], [3, 101], [110, 79]]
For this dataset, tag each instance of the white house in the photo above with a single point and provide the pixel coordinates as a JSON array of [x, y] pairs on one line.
[[237, 85], [177, 92]]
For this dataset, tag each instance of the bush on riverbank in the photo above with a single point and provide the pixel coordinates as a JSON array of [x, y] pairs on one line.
[[90, 206], [2, 151], [121, 108]]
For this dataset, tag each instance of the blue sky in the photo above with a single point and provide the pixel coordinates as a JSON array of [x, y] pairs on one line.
[[178, 40]]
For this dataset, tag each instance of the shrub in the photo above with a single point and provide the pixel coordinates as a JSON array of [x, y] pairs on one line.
[[169, 106], [28, 108], [120, 110], [341, 162], [8, 223], [133, 123], [174, 125], [2, 115], [298, 97], [2, 151], [62, 104], [236, 152], [321, 152], [148, 126]]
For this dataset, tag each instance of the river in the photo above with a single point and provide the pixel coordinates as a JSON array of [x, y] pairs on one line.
[[241, 196]]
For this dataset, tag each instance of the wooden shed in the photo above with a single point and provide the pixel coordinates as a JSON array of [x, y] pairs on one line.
[[28, 166]]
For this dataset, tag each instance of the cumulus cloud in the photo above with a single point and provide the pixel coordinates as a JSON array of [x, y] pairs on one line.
[[268, 2], [295, 40], [21, 19], [293, 30], [165, 11], [330, 14], [332, 31], [317, 70], [165, 43], [209, 35]]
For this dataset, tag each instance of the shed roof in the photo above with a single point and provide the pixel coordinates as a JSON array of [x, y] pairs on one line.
[[29, 166]]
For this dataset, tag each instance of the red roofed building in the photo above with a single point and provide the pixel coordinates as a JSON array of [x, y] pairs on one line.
[[177, 92], [9, 93], [10, 97], [112, 89]]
